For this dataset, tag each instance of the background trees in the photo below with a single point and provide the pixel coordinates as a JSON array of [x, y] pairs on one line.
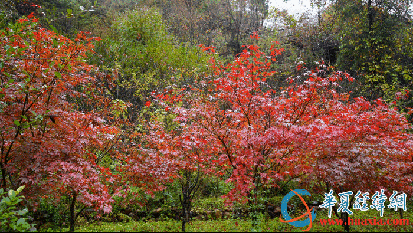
[[11, 10], [365, 38], [144, 58], [224, 24], [374, 46]]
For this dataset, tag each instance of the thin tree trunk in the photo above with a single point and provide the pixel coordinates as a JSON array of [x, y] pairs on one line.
[[370, 15], [344, 217], [188, 190], [3, 178], [72, 212]]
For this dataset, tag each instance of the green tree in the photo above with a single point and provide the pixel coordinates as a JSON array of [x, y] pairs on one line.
[[375, 46], [145, 59]]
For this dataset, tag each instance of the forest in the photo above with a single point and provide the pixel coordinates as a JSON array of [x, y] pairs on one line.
[[205, 115]]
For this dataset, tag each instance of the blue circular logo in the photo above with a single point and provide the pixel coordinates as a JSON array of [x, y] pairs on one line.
[[295, 222]]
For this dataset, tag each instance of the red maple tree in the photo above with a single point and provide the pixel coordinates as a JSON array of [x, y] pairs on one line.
[[310, 131], [52, 119]]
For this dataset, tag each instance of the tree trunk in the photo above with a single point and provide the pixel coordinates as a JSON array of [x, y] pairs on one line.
[[72, 212], [185, 199], [186, 208], [370, 15], [188, 189], [344, 217], [3, 178]]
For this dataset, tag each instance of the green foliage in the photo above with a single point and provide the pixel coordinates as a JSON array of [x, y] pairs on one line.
[[369, 39], [145, 58], [214, 187], [256, 219], [10, 218], [209, 204], [224, 24], [137, 200], [3, 19], [67, 17], [375, 47], [245, 225], [11, 10], [56, 214], [119, 108], [304, 43]]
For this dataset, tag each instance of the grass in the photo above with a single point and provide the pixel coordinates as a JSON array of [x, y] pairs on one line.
[[231, 225], [246, 225]]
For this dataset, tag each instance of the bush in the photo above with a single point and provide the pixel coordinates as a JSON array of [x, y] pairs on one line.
[[52, 215], [145, 57], [10, 218]]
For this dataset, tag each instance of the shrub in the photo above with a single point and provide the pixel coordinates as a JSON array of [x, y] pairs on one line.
[[10, 218]]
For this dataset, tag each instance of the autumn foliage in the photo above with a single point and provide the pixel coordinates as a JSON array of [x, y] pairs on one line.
[[311, 132], [56, 125], [48, 135]]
